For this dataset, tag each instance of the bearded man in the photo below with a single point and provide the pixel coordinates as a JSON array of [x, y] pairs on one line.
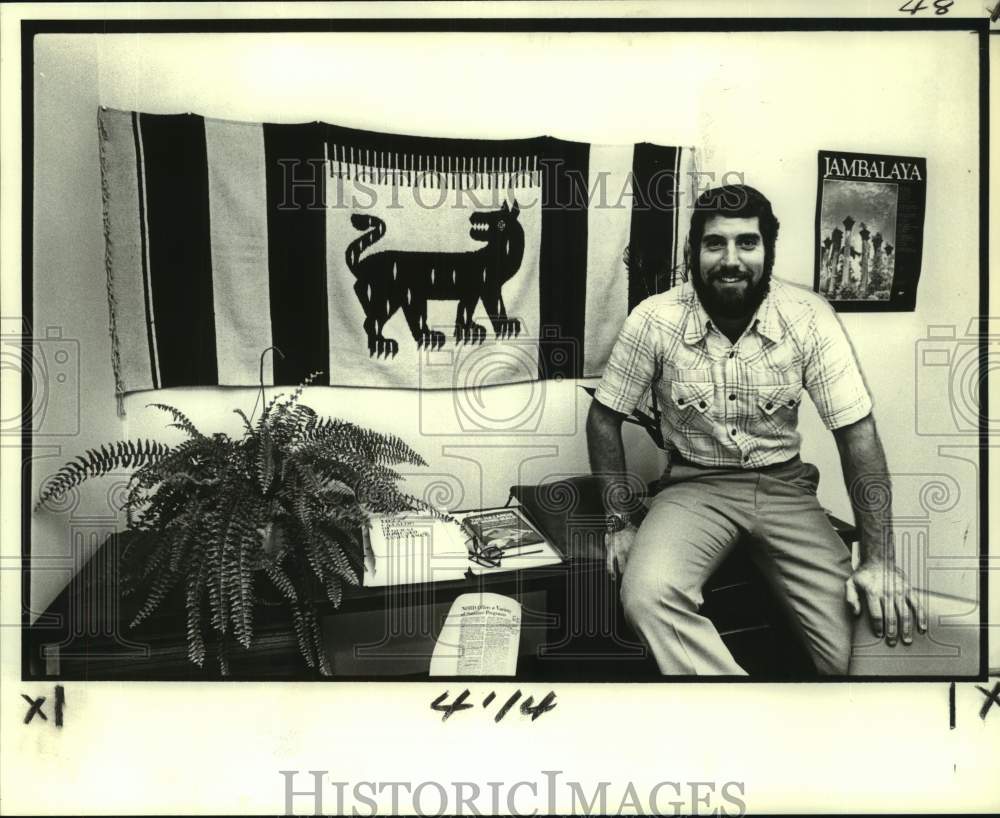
[[729, 354]]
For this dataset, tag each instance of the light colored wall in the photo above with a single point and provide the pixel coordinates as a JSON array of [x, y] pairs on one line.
[[761, 104]]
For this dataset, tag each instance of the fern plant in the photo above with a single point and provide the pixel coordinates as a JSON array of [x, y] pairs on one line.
[[283, 504]]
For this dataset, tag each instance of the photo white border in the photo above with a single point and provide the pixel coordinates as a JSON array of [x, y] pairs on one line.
[[161, 748]]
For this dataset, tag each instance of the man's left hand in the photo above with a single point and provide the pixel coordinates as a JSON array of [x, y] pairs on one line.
[[889, 599]]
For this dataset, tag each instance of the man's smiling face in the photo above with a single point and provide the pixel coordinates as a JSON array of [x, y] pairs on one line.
[[731, 279]]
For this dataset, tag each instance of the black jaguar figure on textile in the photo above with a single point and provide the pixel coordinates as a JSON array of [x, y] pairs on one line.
[[394, 279]]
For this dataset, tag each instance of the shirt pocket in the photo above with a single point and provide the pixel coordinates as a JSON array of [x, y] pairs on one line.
[[772, 399], [776, 409], [691, 405]]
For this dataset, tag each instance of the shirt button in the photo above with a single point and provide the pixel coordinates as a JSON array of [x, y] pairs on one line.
[[702, 404], [732, 353], [680, 401], [732, 396], [769, 405], [746, 458], [732, 432]]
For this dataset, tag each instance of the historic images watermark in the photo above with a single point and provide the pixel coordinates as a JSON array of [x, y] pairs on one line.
[[319, 184], [318, 792]]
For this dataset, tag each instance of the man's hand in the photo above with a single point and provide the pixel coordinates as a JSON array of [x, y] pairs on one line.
[[886, 592], [616, 546], [889, 599]]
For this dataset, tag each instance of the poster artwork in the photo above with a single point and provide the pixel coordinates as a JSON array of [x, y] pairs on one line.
[[390, 279], [869, 230]]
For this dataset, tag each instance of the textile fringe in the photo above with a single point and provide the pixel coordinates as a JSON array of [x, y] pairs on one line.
[[116, 363], [433, 172]]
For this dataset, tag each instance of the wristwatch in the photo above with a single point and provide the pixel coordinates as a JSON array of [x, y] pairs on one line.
[[616, 521]]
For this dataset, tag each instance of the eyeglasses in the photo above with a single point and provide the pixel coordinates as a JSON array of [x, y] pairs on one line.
[[490, 556]]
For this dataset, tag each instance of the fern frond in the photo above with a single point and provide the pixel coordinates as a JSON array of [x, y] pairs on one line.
[[222, 648], [181, 421], [413, 503], [335, 566], [154, 559], [213, 585], [339, 437], [246, 421], [332, 550], [186, 456], [130, 550], [334, 590], [265, 461], [281, 581], [317, 640], [362, 479], [294, 423], [196, 582], [264, 421], [305, 477], [303, 634], [188, 529], [224, 570], [287, 404], [248, 545], [348, 516], [164, 583], [98, 462], [315, 561]]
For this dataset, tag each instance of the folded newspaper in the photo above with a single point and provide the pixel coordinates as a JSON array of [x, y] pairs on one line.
[[480, 637]]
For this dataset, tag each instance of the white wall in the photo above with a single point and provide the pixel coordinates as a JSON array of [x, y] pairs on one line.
[[762, 104]]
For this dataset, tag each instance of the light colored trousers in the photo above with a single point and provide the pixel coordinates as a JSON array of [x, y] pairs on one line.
[[694, 521]]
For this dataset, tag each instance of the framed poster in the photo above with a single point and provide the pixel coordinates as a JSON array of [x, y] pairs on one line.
[[869, 230]]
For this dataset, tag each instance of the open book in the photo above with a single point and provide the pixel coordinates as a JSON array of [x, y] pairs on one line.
[[403, 549]]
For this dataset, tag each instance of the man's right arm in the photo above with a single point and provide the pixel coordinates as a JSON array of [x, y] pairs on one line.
[[607, 463], [630, 369], [607, 453]]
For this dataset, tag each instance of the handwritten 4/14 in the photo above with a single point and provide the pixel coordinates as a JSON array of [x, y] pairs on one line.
[[528, 706]]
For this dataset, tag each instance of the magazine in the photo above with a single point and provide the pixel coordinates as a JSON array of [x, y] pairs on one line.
[[503, 539], [505, 529]]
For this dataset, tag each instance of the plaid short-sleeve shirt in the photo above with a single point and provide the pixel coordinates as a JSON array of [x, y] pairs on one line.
[[727, 404]]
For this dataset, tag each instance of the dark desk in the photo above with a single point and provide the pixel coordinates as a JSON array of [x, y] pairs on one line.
[[376, 632], [573, 627]]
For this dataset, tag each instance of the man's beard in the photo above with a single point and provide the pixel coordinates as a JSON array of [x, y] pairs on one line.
[[731, 302]]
